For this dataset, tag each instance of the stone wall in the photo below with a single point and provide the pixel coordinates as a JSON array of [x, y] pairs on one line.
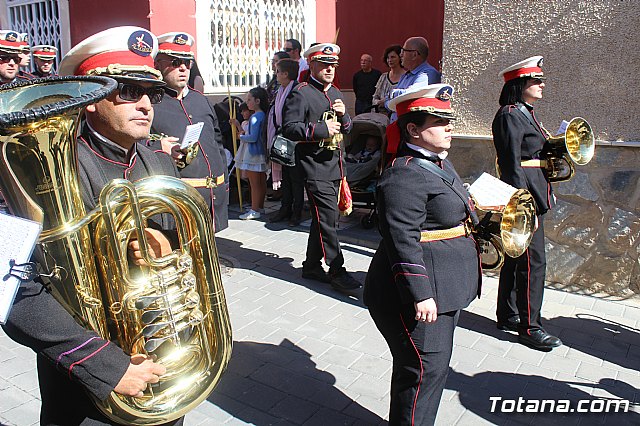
[[590, 51], [592, 235]]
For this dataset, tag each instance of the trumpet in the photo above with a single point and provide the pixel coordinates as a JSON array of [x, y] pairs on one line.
[[190, 153], [333, 142]]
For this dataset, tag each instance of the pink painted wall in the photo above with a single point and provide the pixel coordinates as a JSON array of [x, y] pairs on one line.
[[88, 17], [325, 22], [368, 26]]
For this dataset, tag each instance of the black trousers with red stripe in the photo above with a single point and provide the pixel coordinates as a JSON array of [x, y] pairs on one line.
[[525, 274], [323, 240], [421, 355]]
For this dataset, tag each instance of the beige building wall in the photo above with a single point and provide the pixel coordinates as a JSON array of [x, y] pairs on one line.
[[591, 54], [591, 57]]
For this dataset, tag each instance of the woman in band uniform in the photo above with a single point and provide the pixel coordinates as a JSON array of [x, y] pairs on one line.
[[519, 139], [427, 267]]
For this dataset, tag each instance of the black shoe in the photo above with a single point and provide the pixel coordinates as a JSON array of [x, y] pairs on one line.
[[316, 274], [345, 283], [294, 220], [281, 216], [539, 339], [510, 325]]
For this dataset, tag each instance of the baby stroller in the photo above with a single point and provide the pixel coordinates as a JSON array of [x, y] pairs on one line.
[[362, 167]]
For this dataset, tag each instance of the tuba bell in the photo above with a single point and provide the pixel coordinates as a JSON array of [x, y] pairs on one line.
[[577, 145], [505, 230], [175, 308], [333, 142]]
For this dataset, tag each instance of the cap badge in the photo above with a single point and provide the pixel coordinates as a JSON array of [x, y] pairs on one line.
[[141, 43], [26, 38], [328, 50], [540, 63], [444, 94], [181, 39], [11, 36]]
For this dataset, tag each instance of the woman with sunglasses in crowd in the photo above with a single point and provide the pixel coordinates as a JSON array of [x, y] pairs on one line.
[[519, 139]]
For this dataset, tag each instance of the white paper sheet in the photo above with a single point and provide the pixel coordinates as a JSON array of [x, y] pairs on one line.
[[17, 240], [191, 135], [490, 193]]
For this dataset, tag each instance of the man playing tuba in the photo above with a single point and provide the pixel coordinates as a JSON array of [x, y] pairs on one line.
[[72, 360]]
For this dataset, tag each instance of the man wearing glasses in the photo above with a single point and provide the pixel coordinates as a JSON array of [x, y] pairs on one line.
[[73, 361], [10, 50], [203, 164], [294, 49], [414, 53]]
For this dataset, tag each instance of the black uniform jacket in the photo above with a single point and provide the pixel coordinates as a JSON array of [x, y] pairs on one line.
[[171, 117], [404, 270], [38, 74], [302, 121], [72, 360], [517, 139]]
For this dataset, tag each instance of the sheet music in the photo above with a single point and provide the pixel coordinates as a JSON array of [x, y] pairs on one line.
[[490, 193], [17, 240], [191, 135]]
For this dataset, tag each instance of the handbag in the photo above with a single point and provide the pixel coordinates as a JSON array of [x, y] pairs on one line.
[[283, 151], [345, 201]]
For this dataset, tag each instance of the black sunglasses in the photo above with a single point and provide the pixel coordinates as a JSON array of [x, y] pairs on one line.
[[133, 93], [288, 49], [176, 62], [7, 58]]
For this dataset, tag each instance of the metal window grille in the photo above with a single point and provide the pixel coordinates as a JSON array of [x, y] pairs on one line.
[[38, 18], [243, 38]]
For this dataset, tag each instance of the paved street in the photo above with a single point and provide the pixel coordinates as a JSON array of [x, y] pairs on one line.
[[304, 354]]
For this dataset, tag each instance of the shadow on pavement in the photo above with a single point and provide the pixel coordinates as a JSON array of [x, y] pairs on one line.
[[475, 392], [590, 334], [269, 384], [275, 266]]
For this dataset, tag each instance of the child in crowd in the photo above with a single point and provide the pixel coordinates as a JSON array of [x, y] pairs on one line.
[[251, 157], [367, 153], [245, 112]]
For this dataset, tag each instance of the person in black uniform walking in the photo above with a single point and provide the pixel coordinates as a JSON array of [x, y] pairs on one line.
[[303, 121], [426, 268], [204, 165], [73, 361], [519, 138]]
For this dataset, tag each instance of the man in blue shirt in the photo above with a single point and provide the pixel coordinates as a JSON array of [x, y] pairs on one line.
[[414, 53], [414, 59]]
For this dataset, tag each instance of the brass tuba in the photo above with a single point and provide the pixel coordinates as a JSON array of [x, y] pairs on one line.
[[333, 142], [506, 230], [577, 145], [175, 309]]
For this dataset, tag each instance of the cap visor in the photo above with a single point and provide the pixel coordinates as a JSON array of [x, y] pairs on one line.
[[137, 78], [179, 55]]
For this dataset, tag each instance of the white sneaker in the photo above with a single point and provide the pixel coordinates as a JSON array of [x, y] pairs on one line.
[[251, 214]]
